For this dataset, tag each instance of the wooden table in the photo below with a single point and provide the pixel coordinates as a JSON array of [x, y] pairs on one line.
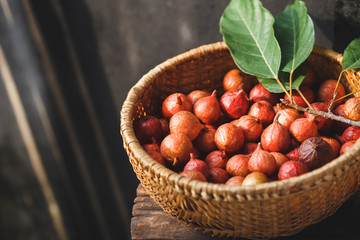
[[151, 222]]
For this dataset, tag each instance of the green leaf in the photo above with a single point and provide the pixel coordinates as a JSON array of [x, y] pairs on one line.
[[294, 30], [247, 29], [271, 85], [351, 58]]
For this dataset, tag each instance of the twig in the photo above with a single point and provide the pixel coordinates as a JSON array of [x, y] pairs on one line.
[[349, 94], [303, 97], [329, 115]]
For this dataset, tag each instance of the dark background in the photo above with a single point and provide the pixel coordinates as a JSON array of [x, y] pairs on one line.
[[65, 69]]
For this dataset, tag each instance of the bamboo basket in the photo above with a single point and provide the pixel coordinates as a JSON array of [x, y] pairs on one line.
[[268, 210]]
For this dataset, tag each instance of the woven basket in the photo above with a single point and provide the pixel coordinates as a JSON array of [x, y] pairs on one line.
[[267, 210]]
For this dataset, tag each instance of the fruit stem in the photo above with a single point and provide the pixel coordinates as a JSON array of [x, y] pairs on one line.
[[335, 93], [329, 115], [179, 101], [303, 97], [282, 87]]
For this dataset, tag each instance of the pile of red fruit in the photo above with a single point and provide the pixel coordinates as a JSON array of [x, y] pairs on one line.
[[246, 136]]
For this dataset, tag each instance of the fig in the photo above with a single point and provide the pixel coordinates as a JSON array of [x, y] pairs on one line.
[[251, 127], [205, 141], [248, 148], [315, 152], [238, 165], [176, 148], [303, 128], [255, 178], [326, 90], [198, 165], [146, 128], [154, 146], [264, 111], [275, 138], [218, 175], [292, 169], [165, 126], [351, 133], [229, 138], [193, 174], [186, 123], [352, 108], [235, 181], [216, 159], [236, 79], [308, 94], [324, 124], [207, 109], [196, 95], [157, 157], [287, 116], [234, 103], [260, 93], [293, 154], [346, 146], [262, 161], [335, 145], [280, 158], [174, 103]]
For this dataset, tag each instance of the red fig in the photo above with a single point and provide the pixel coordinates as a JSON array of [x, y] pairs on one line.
[[236, 79], [346, 146], [352, 108], [326, 90], [260, 93], [198, 165], [324, 124], [147, 127], [248, 148], [157, 157], [335, 145], [176, 148], [293, 154], [165, 126], [280, 158], [251, 127], [287, 116], [351, 133], [193, 174], [218, 175], [154, 146], [262, 161], [292, 169], [216, 159], [186, 123], [308, 94], [303, 128], [197, 94], [229, 138], [207, 109], [238, 165], [234, 103], [275, 138], [205, 141], [255, 178], [174, 103], [264, 111], [235, 181]]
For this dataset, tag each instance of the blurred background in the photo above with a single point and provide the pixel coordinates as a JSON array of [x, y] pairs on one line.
[[65, 69]]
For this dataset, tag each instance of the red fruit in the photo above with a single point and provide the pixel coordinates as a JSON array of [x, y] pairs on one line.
[[198, 165], [235, 181], [310, 78], [207, 109], [303, 128], [280, 158], [238, 165], [352, 108], [236, 79], [157, 157], [308, 94], [287, 116], [315, 152], [326, 91], [335, 145], [275, 138], [218, 175], [293, 154], [229, 138], [205, 141], [196, 95], [193, 174], [346, 146], [324, 124], [176, 149], [249, 148], [147, 127], [165, 126], [174, 103], [351, 133], [255, 178], [262, 161], [151, 146], [292, 169], [216, 159], [264, 111], [186, 123], [340, 126], [234, 103], [260, 93], [251, 127]]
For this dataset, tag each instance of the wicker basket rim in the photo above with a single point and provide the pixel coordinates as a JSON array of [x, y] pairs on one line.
[[328, 172]]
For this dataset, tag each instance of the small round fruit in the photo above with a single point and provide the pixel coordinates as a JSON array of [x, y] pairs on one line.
[[176, 148], [275, 138], [186, 123], [264, 111], [340, 126], [262, 161], [351, 133], [205, 141], [198, 165], [335, 145], [197, 94], [154, 146], [193, 174], [157, 157], [248, 148], [280, 158], [234, 103], [218, 175], [174, 103], [292, 169], [303, 128], [324, 124], [255, 178], [229, 138], [207, 109], [216, 159], [326, 90], [260, 93], [287, 116], [352, 108], [236, 79], [251, 127], [235, 181], [146, 128], [238, 165], [308, 94], [346, 146], [293, 154]]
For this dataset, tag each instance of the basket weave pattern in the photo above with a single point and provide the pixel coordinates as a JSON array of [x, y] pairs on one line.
[[260, 211]]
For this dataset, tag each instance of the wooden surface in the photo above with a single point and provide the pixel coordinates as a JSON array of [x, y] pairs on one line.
[[149, 221]]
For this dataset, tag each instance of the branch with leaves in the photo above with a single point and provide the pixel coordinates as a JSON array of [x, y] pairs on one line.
[[274, 49]]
